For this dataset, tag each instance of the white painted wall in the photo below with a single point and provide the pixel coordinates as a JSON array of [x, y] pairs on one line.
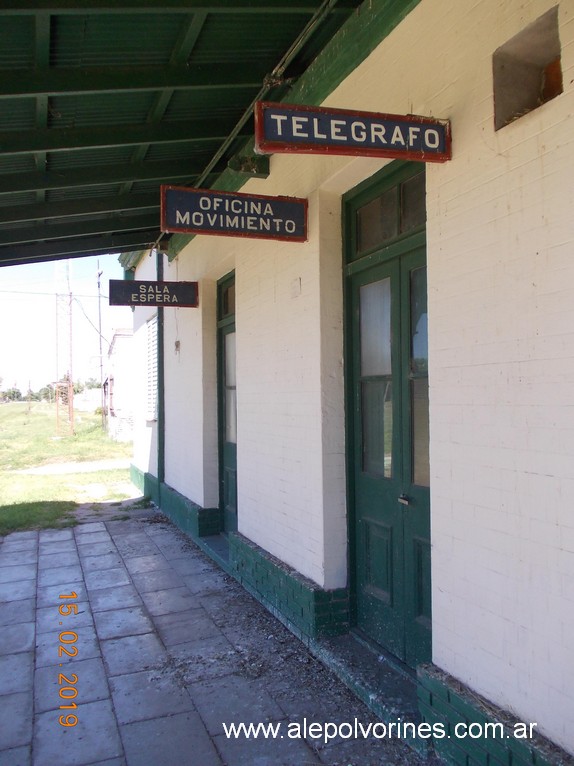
[[145, 431], [191, 391], [500, 243]]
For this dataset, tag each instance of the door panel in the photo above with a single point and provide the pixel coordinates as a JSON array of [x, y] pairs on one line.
[[227, 395], [391, 463]]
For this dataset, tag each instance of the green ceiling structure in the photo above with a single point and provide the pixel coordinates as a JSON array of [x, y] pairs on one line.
[[102, 101]]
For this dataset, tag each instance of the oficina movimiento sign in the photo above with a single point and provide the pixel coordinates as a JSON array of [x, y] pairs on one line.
[[281, 128], [231, 214]]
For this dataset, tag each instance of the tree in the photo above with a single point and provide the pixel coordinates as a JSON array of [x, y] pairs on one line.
[[13, 394], [46, 393]]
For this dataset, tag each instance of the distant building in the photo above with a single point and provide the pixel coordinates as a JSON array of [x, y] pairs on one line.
[[118, 387]]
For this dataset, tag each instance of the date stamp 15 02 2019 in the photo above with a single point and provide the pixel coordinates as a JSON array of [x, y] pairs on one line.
[[68, 691]]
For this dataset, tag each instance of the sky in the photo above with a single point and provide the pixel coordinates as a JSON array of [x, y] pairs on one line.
[[35, 326]]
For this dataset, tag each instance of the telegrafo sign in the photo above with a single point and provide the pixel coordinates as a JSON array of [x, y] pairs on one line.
[[203, 211], [314, 130]]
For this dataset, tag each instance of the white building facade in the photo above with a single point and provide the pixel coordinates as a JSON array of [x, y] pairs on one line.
[[380, 420]]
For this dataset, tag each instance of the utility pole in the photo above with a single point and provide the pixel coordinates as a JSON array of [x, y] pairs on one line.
[[64, 383], [102, 399]]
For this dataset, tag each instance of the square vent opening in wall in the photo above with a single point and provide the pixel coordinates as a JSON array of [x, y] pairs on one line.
[[527, 70]]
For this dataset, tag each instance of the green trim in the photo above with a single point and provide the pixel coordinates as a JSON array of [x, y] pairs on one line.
[[445, 700], [372, 22], [160, 380], [188, 516], [306, 608], [130, 261], [146, 483]]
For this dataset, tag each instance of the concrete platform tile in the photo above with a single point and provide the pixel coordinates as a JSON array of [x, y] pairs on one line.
[[19, 756], [282, 751], [14, 612], [58, 559], [15, 720], [24, 539], [95, 549], [233, 699], [94, 738], [83, 648], [204, 583], [15, 573], [206, 659], [92, 526], [170, 600], [133, 653], [16, 591], [16, 672], [157, 579], [47, 547], [8, 559], [135, 545], [101, 562], [63, 576], [51, 535], [89, 538], [116, 623], [177, 740], [15, 545], [49, 595], [191, 565], [110, 578], [17, 638], [138, 564], [49, 618], [148, 694], [189, 625], [87, 676], [114, 598]]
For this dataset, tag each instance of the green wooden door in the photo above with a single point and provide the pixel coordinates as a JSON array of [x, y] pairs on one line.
[[227, 397], [388, 399]]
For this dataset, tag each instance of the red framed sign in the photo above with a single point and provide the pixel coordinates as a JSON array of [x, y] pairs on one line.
[[231, 214], [315, 130]]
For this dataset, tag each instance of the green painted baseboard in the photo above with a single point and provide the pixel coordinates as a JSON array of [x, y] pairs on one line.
[[312, 611], [476, 733], [189, 517], [309, 611]]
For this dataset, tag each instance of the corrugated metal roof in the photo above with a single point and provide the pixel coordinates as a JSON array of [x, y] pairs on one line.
[[101, 101]]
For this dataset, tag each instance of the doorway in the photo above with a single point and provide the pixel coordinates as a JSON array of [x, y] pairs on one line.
[[387, 368], [227, 401]]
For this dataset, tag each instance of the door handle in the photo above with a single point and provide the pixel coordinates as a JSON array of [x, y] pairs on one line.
[[404, 499]]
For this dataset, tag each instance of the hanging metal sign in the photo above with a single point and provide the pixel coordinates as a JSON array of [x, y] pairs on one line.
[[231, 214], [315, 130], [131, 292]]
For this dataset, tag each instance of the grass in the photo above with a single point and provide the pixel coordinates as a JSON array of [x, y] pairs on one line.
[[28, 439]]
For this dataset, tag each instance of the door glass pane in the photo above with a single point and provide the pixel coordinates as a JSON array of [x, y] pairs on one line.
[[413, 203], [420, 415], [419, 321], [377, 221], [230, 359], [375, 308], [230, 391], [377, 413]]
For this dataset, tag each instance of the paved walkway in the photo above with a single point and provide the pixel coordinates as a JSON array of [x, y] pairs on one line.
[[168, 649]]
